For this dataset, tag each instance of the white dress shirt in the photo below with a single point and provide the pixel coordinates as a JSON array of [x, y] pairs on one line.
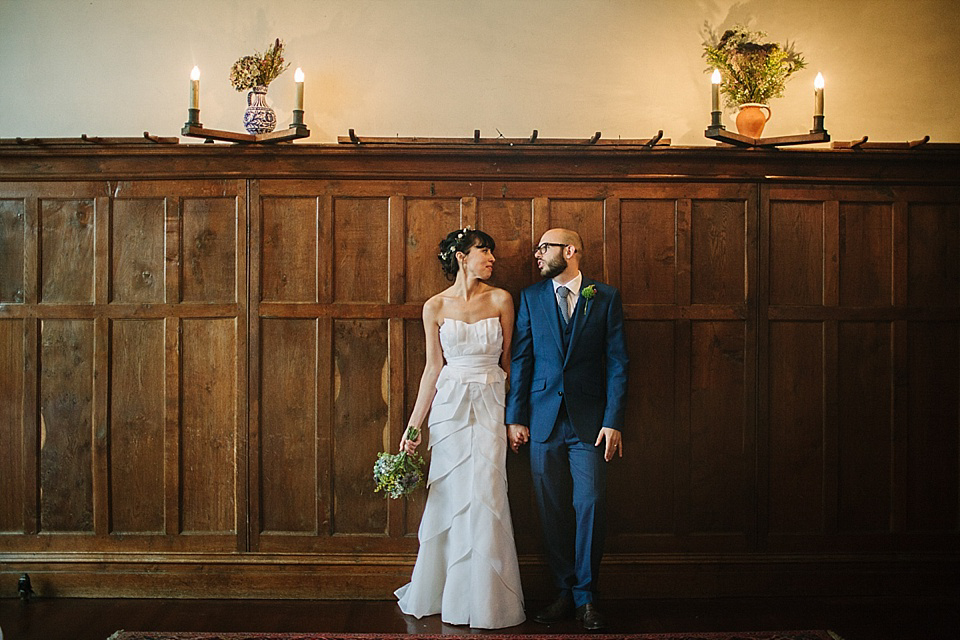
[[574, 287]]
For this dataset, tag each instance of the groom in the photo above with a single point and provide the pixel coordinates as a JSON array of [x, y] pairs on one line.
[[568, 382]]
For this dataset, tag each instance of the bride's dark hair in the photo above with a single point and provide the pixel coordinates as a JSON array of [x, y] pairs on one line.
[[461, 240]]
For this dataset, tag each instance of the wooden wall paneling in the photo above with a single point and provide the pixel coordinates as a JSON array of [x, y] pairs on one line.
[[796, 260], [865, 412], [414, 361], [508, 222], [327, 390], [66, 250], [101, 354], [209, 425], [137, 250], [287, 489], [586, 217], [795, 427], [866, 254], [289, 249], [66, 425], [396, 295], [252, 460], [428, 220], [209, 227], [137, 425], [360, 419], [12, 391], [718, 250], [648, 257], [933, 254], [12, 250], [612, 251], [361, 249], [932, 450]]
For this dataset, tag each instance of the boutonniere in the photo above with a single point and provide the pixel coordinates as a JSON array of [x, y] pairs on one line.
[[588, 293]]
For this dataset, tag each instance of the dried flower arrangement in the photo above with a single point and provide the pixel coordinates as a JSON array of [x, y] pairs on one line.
[[259, 69]]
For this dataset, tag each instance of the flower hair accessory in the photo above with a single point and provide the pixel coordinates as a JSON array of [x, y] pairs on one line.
[[449, 251], [588, 293]]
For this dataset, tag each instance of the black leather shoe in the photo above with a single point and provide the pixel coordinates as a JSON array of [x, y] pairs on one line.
[[559, 609], [591, 617]]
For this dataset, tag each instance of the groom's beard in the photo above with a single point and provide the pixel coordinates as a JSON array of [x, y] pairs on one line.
[[553, 268]]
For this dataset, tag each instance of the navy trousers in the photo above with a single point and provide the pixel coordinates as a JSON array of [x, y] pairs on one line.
[[569, 479]]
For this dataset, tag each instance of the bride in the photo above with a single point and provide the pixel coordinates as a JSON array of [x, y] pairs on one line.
[[467, 568]]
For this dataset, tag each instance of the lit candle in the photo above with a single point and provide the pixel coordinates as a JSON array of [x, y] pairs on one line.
[[818, 95], [298, 76], [195, 88], [715, 90]]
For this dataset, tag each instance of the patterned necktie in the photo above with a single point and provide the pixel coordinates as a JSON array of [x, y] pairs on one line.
[[563, 292]]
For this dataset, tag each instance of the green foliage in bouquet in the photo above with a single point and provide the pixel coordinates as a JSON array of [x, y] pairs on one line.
[[260, 69], [751, 70], [398, 474]]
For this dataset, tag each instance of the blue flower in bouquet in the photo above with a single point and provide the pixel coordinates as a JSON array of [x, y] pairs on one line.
[[397, 474]]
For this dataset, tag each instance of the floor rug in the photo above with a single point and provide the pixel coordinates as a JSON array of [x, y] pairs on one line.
[[759, 635]]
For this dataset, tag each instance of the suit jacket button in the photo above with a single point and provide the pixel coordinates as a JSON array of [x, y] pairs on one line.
[[559, 393]]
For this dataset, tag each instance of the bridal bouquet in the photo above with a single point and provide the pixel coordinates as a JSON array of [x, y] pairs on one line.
[[399, 473]]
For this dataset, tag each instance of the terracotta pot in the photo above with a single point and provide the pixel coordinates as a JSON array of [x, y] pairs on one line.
[[751, 118]]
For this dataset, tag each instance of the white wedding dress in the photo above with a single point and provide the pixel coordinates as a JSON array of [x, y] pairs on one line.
[[467, 568]]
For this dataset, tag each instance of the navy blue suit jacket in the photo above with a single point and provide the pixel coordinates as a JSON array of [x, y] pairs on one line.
[[591, 375]]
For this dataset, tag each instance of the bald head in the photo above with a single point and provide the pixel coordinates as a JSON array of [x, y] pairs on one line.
[[564, 236]]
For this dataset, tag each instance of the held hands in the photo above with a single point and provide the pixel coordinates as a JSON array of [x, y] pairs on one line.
[[410, 446], [517, 435], [614, 444]]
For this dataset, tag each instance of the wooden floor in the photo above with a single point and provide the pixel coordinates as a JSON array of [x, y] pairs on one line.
[[851, 618]]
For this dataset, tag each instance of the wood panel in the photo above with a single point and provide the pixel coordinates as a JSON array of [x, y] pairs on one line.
[[12, 381], [66, 425], [718, 249], [288, 425], [136, 241], [720, 455], [209, 249], [428, 220], [933, 450], [359, 251], [794, 393], [415, 361], [290, 246], [359, 424], [933, 241], [866, 254], [137, 417], [66, 255], [509, 223], [12, 227], [796, 253], [649, 257], [209, 424], [796, 428], [651, 443]]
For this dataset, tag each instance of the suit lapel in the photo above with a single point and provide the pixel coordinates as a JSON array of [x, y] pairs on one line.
[[581, 314], [548, 300]]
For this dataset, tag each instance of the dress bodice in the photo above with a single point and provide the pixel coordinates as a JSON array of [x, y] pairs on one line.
[[472, 349]]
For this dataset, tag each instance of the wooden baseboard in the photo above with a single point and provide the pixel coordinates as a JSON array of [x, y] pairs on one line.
[[290, 576]]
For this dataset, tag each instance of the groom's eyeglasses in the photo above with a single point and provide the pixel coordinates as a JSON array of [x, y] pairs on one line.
[[544, 246]]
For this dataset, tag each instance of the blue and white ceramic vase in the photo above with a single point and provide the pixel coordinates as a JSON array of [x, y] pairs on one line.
[[259, 118]]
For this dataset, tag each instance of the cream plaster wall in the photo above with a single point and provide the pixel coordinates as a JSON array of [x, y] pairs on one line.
[[443, 68]]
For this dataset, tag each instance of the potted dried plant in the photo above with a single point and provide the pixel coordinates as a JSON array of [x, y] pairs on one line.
[[752, 72]]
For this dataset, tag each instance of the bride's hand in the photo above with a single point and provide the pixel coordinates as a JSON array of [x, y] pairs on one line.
[[410, 446]]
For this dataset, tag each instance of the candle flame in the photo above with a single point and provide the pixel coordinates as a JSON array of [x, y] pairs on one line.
[[195, 74], [298, 75], [818, 82], [715, 78]]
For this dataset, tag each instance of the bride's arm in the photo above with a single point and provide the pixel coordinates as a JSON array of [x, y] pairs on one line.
[[507, 318], [431, 371]]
